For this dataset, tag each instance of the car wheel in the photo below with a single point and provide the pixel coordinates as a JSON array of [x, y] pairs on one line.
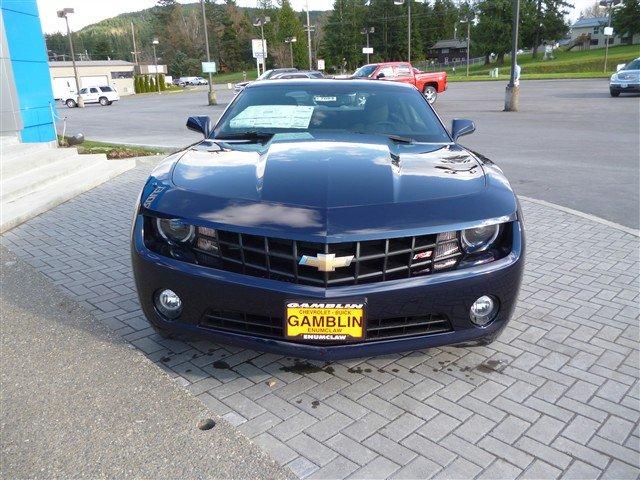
[[430, 93], [110, 102], [103, 101], [614, 93], [71, 103]]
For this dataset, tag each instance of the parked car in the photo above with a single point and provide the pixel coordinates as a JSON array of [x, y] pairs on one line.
[[429, 83], [266, 75], [626, 80], [329, 219], [193, 81], [298, 74], [105, 95], [179, 82]]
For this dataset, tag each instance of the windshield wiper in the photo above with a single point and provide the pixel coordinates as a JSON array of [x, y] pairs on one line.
[[248, 135]]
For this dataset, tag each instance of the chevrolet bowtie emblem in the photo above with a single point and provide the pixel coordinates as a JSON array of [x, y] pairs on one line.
[[326, 262]]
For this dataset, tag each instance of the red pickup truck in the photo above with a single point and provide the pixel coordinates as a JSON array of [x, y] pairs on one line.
[[429, 83]]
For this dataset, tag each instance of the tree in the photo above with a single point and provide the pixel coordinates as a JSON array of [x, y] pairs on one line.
[[161, 82], [626, 20], [594, 11], [493, 32], [178, 66], [146, 85], [289, 25], [101, 50], [543, 20]]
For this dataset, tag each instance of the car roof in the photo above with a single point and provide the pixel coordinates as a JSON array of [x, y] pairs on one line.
[[306, 82]]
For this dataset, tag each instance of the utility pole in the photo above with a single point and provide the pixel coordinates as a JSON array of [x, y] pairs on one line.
[[155, 59], [212, 93], [512, 95], [468, 22], [610, 4], [401, 2], [309, 37], [291, 41], [64, 14], [135, 50], [366, 31]]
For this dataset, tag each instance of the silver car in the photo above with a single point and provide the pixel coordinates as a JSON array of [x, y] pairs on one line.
[[626, 80]]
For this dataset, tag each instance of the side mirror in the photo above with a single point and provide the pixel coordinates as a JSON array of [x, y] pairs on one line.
[[200, 124], [460, 127], [380, 75]]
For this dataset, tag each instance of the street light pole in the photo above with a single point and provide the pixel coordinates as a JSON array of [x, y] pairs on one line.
[[63, 14], [260, 23], [366, 31], [291, 41], [512, 94], [309, 37], [155, 59], [468, 22], [212, 93]]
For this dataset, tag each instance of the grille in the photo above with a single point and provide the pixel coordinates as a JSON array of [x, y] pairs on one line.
[[373, 260], [376, 329]]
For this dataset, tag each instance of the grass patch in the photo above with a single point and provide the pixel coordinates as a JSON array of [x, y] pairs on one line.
[[234, 77], [573, 64], [112, 150]]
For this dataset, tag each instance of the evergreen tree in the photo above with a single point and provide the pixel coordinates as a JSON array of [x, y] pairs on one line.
[[178, 66], [289, 26], [146, 85], [493, 32], [626, 19]]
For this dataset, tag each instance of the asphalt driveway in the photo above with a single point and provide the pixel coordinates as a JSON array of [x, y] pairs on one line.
[[571, 143]]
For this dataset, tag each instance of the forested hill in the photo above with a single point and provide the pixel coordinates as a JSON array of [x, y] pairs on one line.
[[179, 31]]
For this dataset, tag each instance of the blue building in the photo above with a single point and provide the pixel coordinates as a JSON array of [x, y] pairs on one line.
[[27, 104]]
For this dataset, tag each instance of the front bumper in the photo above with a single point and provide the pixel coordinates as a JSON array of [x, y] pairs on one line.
[[449, 293], [627, 88]]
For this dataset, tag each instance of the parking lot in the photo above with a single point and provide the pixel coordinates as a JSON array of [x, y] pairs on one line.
[[570, 144], [556, 396]]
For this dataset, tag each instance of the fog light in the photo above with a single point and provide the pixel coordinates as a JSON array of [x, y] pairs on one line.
[[483, 310], [169, 304]]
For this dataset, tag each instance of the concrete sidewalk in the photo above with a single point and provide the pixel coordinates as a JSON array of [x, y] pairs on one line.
[[79, 402]]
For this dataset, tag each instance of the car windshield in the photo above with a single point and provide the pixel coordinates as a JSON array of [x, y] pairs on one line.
[[365, 71], [635, 65], [343, 107]]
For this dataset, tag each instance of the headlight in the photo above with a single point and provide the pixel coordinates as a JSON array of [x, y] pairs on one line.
[[614, 77], [175, 230], [479, 238]]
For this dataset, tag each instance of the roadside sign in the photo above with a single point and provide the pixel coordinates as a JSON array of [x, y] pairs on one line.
[[320, 64], [608, 31], [256, 48], [368, 50], [209, 67]]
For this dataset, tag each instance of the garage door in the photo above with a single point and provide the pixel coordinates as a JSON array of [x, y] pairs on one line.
[[94, 81]]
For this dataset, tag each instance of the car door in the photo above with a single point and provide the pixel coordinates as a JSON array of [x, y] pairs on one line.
[[404, 73], [92, 96], [385, 73]]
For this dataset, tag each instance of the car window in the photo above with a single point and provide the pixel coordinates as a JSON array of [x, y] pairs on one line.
[[93, 90], [341, 108], [106, 89], [635, 65], [83, 91], [387, 72], [364, 71], [403, 70]]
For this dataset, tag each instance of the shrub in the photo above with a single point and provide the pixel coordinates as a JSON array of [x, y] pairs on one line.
[[161, 81], [145, 87]]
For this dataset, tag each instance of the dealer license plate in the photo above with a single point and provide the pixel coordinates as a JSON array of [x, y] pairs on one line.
[[324, 321]]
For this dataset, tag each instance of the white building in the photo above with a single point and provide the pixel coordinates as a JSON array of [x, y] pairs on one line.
[[590, 32], [93, 73]]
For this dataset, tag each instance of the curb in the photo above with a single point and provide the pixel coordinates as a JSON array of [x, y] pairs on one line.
[[587, 216]]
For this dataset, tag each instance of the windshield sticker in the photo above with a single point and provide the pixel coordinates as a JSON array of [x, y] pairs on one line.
[[318, 98], [273, 116]]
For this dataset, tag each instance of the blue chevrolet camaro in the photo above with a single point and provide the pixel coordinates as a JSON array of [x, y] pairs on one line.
[[329, 219]]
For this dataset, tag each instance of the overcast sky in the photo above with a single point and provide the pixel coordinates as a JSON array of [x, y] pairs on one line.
[[88, 12]]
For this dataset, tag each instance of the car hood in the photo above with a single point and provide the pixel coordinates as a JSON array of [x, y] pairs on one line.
[[335, 185]]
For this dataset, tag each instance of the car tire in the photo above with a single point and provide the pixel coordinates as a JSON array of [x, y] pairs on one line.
[[71, 103], [430, 93], [103, 101], [110, 102], [614, 93]]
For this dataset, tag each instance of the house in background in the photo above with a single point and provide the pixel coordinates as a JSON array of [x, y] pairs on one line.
[[447, 51], [589, 33]]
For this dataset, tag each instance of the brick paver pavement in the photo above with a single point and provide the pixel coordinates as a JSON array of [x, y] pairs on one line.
[[564, 401]]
